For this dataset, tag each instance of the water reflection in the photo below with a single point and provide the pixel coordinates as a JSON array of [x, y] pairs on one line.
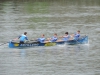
[[63, 49], [55, 50], [23, 53]]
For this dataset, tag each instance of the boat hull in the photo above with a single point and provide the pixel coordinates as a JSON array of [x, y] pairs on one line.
[[82, 40]]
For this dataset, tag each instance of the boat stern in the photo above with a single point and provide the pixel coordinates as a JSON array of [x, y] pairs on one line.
[[13, 45]]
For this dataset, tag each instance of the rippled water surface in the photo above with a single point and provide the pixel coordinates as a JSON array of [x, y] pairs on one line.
[[49, 17]]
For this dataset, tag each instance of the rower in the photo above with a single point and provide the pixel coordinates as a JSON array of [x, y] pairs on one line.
[[42, 39], [66, 37], [52, 39], [23, 37], [75, 36]]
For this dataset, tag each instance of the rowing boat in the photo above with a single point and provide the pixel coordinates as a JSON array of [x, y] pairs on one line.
[[81, 40]]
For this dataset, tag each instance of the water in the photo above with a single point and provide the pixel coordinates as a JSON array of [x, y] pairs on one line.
[[48, 17]]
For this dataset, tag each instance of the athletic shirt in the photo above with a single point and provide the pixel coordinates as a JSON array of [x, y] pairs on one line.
[[41, 40], [23, 37], [53, 39], [76, 36], [66, 38]]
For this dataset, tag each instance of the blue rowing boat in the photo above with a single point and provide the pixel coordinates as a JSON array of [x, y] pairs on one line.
[[81, 40]]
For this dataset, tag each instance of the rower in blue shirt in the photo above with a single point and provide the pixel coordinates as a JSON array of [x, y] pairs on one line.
[[77, 35], [42, 39], [54, 38], [66, 37], [23, 37]]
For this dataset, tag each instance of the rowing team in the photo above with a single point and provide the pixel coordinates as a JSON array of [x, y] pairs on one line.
[[42, 39]]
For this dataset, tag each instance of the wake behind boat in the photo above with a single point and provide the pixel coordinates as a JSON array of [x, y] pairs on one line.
[[81, 40]]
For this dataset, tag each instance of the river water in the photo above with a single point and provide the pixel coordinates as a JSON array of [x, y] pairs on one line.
[[48, 17]]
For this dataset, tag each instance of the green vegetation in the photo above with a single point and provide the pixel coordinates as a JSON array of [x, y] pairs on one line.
[[36, 7]]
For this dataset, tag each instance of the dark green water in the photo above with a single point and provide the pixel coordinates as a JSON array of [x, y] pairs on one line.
[[48, 17]]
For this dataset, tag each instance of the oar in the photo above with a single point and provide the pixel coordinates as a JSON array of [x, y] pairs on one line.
[[3, 43], [8, 42]]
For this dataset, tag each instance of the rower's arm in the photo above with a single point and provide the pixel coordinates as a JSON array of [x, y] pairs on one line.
[[26, 38]]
